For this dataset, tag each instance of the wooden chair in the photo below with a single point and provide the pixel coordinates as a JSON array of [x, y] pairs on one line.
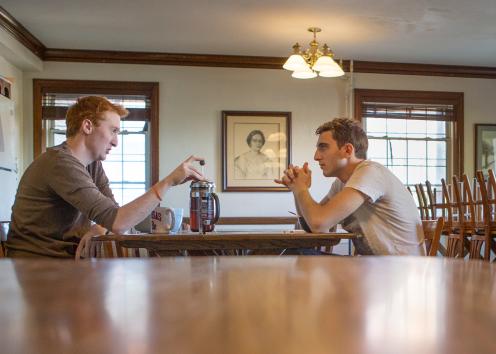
[[110, 249], [431, 195], [432, 235], [454, 247], [409, 190], [488, 196], [469, 227], [421, 199], [435, 213]]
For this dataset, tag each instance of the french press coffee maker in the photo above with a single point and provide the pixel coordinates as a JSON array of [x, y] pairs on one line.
[[204, 206]]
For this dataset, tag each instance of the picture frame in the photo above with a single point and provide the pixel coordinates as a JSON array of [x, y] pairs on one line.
[[256, 149], [485, 147]]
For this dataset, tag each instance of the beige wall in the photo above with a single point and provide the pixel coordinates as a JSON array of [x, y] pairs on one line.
[[16, 76], [191, 101]]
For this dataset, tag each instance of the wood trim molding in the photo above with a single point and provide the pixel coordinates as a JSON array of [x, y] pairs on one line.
[[99, 86], [427, 97], [119, 57], [20, 33], [150, 89], [424, 69], [237, 61], [154, 136]]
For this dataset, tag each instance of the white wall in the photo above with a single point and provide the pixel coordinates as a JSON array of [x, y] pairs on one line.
[[16, 76], [192, 98]]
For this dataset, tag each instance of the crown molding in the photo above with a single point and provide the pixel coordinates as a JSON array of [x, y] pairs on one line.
[[375, 67], [237, 61], [153, 58], [20, 33]]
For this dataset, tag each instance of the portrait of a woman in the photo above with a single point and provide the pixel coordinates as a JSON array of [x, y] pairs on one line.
[[254, 164]]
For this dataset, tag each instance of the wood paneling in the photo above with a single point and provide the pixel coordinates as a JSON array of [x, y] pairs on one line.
[[20, 33]]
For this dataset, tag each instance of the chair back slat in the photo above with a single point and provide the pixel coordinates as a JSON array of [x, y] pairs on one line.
[[432, 235], [432, 200], [487, 189], [447, 206], [468, 203], [455, 247], [421, 202]]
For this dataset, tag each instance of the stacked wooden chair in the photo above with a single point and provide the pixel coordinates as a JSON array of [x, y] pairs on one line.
[[488, 199], [432, 235], [433, 225], [468, 209]]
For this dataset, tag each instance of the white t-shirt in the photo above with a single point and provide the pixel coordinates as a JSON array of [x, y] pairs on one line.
[[388, 219]]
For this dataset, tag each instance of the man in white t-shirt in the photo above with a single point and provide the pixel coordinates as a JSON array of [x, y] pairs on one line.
[[366, 197]]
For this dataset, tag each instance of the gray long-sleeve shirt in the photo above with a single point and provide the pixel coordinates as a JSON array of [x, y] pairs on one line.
[[55, 201]]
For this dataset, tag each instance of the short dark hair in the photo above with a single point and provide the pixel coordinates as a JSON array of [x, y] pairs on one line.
[[255, 132], [345, 130]]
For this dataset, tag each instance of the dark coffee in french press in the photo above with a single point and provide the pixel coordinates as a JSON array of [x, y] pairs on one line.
[[204, 206]]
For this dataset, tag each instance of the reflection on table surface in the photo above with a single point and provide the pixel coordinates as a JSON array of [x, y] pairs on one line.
[[249, 305]]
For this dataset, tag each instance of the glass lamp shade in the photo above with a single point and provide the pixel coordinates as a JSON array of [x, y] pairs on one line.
[[327, 67], [295, 62], [332, 73], [304, 74]]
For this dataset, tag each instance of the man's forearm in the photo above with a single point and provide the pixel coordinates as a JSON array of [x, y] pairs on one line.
[[321, 217], [135, 211], [307, 207], [298, 209]]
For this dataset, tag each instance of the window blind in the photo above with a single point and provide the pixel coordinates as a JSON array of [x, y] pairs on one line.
[[55, 105], [407, 111]]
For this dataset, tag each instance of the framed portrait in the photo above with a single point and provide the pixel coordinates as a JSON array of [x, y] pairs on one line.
[[256, 148], [485, 147]]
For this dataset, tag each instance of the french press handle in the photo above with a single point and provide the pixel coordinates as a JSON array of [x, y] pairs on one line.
[[217, 208]]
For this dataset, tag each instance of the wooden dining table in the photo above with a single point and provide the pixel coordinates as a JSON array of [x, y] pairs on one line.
[[163, 244], [248, 305]]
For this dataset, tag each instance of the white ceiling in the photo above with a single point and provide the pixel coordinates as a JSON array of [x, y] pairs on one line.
[[459, 32]]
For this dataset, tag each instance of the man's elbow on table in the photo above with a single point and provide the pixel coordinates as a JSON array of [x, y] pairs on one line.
[[318, 225], [119, 226]]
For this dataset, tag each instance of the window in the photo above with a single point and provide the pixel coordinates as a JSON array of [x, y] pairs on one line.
[[130, 166], [413, 136]]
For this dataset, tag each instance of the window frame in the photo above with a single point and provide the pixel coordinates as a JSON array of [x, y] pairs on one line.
[[422, 97], [149, 89]]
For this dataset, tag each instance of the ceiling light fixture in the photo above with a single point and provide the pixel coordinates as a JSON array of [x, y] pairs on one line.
[[314, 61]]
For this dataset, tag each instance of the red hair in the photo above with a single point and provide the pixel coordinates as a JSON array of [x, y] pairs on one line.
[[92, 108]]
